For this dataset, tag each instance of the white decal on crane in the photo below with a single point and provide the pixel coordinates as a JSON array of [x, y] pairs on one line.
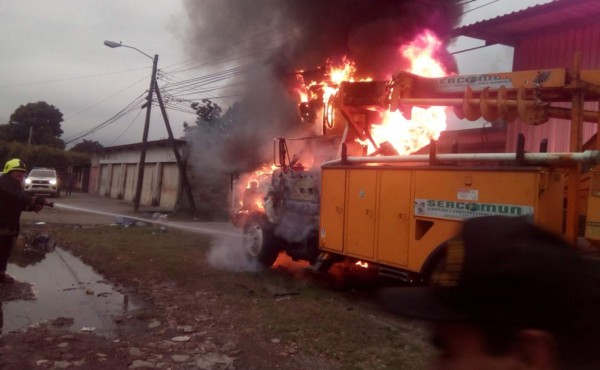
[[462, 210], [475, 82]]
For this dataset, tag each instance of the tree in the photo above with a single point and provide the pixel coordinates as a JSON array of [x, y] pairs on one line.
[[40, 121], [87, 146], [209, 115]]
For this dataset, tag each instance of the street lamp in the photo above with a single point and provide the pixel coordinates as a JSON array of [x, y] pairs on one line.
[[112, 44], [140, 178]]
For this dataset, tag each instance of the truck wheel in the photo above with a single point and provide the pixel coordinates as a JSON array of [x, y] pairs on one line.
[[259, 242]]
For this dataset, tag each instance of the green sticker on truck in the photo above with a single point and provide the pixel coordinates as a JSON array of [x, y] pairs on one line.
[[461, 210]]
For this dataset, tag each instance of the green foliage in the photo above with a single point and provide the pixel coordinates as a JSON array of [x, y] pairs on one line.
[[211, 118], [42, 156], [208, 112], [87, 146], [39, 120]]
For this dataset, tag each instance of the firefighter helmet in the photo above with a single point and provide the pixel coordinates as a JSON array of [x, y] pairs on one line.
[[14, 164]]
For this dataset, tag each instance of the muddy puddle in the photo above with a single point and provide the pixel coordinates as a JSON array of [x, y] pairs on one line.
[[57, 285]]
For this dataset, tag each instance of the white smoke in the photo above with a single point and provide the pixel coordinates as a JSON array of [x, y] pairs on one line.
[[227, 253]]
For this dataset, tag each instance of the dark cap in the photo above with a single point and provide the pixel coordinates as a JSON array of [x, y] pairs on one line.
[[502, 270]]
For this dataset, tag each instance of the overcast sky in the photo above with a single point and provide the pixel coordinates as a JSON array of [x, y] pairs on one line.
[[53, 51]]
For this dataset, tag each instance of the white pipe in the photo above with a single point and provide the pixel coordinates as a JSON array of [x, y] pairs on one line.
[[588, 157]]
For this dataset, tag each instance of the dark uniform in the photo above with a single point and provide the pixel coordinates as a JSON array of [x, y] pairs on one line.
[[13, 200]]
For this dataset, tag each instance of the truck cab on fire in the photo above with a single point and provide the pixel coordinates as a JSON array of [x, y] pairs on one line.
[[364, 202]]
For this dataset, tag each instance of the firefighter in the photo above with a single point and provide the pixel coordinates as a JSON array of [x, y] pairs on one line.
[[13, 200], [508, 295]]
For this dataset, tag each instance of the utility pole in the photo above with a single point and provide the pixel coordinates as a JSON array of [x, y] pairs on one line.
[[180, 164], [154, 88], [140, 177]]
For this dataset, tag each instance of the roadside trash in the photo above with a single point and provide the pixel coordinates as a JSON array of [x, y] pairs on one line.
[[42, 243], [40, 223], [88, 329], [123, 221], [159, 218]]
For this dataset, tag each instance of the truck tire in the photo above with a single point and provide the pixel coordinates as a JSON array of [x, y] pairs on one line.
[[433, 263], [259, 242]]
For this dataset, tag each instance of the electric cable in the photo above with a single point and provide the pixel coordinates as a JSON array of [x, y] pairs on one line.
[[103, 100], [127, 128], [137, 102]]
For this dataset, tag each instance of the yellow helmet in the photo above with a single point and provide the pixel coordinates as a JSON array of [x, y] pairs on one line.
[[14, 164]]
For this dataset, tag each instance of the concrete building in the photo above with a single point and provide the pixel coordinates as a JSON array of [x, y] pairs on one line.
[[114, 174]]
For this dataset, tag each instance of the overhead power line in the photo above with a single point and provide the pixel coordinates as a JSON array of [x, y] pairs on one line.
[[137, 103]]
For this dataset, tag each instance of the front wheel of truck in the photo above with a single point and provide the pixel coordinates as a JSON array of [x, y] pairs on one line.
[[259, 242]]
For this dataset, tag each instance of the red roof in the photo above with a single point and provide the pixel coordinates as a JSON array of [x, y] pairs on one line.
[[508, 29]]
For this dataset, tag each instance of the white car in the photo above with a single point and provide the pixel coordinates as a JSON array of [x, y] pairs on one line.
[[42, 181]]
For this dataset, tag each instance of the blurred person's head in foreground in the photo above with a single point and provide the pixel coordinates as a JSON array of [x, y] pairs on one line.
[[508, 295]]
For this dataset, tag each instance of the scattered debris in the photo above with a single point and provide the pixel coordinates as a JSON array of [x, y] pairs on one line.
[[123, 221], [42, 243], [159, 218], [154, 324], [181, 338], [135, 352], [88, 329]]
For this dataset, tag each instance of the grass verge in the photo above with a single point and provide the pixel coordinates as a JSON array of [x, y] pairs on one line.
[[341, 326]]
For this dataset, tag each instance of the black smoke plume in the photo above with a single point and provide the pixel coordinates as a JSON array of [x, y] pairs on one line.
[[270, 39]]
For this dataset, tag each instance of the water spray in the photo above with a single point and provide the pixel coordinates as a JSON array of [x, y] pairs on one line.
[[199, 230]]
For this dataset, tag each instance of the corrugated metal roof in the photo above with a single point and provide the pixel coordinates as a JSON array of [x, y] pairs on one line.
[[508, 29]]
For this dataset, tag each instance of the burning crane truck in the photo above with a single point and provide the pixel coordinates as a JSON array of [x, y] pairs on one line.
[[394, 211]]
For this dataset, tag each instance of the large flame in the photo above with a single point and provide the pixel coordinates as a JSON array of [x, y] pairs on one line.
[[262, 179], [408, 136], [405, 135], [335, 74]]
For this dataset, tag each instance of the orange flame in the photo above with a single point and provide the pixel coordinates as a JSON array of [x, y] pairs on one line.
[[341, 73], [362, 264], [421, 52], [253, 199], [336, 73], [408, 136]]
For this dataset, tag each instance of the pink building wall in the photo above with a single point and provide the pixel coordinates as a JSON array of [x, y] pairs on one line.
[[555, 48]]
